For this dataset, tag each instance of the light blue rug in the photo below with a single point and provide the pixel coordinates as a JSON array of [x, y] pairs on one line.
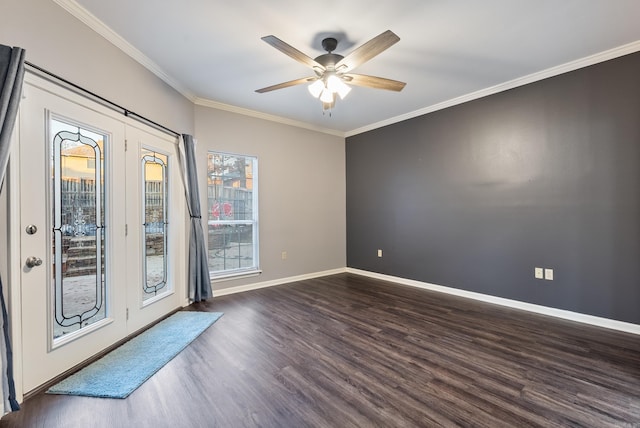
[[121, 371]]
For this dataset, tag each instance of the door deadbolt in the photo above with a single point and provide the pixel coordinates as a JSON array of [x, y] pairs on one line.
[[33, 261], [31, 229]]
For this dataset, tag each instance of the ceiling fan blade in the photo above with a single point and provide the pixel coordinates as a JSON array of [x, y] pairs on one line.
[[286, 84], [373, 82], [367, 51], [294, 53]]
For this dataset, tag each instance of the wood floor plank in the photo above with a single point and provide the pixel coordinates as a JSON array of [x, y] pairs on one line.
[[349, 351]]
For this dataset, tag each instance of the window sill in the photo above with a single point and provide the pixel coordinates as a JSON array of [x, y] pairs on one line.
[[235, 275]]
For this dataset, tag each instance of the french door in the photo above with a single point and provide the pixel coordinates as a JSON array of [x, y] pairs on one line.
[[154, 244], [96, 229]]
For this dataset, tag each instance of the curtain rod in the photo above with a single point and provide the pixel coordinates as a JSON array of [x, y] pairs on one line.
[[125, 111]]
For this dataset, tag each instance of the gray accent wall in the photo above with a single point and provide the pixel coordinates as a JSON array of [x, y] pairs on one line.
[[477, 195]]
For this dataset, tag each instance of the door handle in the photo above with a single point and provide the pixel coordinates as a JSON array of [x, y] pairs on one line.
[[33, 261]]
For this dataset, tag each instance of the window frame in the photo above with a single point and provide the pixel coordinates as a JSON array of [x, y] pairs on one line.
[[234, 273]]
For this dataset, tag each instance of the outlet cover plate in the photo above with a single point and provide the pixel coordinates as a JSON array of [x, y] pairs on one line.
[[548, 274], [539, 273]]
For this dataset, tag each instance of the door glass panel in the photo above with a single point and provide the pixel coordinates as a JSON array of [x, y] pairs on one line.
[[154, 222], [78, 198]]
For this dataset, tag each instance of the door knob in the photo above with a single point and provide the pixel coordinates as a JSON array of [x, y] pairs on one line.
[[33, 261]]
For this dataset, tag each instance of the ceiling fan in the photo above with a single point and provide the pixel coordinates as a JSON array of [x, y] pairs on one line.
[[333, 71]]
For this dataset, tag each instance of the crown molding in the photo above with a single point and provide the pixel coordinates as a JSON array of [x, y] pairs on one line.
[[105, 31], [521, 81], [270, 117], [94, 23], [101, 28]]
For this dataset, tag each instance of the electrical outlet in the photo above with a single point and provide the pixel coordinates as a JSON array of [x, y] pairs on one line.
[[539, 273], [379, 253], [284, 255], [548, 274]]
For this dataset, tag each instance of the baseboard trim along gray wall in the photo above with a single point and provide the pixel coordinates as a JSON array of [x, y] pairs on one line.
[[542, 310], [477, 195]]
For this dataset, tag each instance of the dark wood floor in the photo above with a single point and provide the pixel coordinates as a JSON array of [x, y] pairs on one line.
[[347, 351]]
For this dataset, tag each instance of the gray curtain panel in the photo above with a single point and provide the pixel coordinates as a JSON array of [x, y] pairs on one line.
[[199, 282], [11, 77]]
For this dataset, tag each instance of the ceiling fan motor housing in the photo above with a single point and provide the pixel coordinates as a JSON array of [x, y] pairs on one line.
[[329, 60], [329, 44]]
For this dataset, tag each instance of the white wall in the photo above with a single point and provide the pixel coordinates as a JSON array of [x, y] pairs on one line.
[[301, 191], [60, 43]]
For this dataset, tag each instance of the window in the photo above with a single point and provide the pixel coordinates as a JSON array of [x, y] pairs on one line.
[[232, 205]]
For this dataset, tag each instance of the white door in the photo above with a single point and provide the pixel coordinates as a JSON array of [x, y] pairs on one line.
[[154, 199], [88, 262]]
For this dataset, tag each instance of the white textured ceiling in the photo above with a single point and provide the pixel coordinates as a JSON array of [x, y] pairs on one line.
[[211, 50]]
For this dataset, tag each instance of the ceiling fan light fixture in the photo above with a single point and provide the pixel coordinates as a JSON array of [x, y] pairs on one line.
[[336, 85], [328, 106], [316, 88], [326, 96]]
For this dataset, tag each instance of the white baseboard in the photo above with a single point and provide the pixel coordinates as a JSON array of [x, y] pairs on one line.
[[544, 310], [273, 283], [530, 307]]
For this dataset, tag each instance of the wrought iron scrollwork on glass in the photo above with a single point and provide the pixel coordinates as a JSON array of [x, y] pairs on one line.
[[154, 222], [78, 197]]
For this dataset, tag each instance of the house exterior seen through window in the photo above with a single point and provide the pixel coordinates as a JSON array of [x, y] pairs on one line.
[[232, 211]]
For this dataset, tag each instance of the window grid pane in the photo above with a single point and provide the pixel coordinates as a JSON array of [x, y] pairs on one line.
[[231, 210]]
